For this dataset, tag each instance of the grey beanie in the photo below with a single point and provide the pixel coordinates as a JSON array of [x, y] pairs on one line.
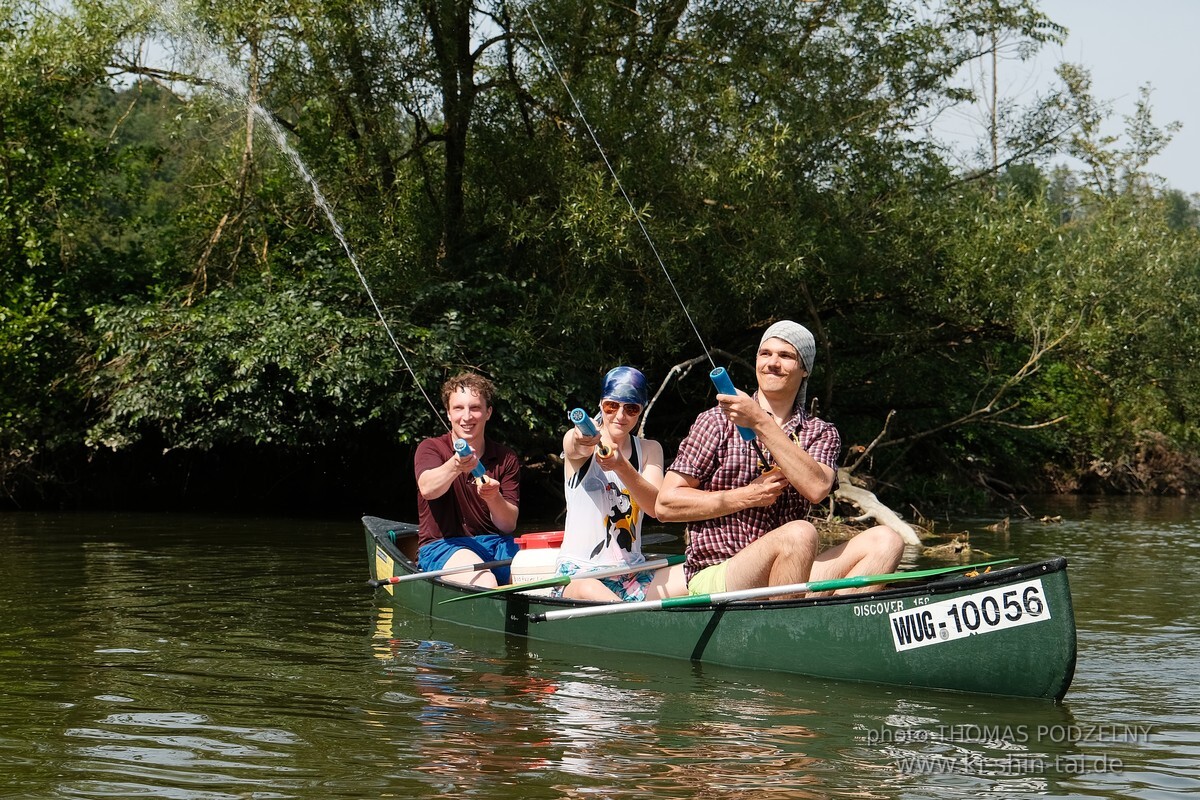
[[800, 338]]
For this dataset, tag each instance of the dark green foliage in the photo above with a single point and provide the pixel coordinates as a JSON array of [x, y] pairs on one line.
[[262, 366], [168, 279]]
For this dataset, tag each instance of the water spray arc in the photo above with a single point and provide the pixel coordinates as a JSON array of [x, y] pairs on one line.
[[232, 84], [319, 198]]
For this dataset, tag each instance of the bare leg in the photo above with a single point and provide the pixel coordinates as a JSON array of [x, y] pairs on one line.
[[667, 582], [875, 551], [780, 557], [463, 557], [589, 589]]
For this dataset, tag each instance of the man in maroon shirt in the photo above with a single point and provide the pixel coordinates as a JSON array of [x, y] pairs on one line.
[[748, 522], [464, 520]]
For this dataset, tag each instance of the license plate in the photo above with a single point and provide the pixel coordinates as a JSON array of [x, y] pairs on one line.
[[982, 612]]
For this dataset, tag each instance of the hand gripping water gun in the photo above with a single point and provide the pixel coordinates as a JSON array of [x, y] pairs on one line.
[[721, 380], [584, 424], [463, 449]]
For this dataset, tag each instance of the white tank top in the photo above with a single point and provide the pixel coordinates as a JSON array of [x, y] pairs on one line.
[[604, 523]]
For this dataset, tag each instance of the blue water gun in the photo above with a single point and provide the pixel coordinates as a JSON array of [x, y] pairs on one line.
[[580, 419], [463, 449], [584, 424], [721, 380]]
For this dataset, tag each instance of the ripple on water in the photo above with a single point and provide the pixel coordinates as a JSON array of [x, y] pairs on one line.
[[180, 754], [268, 672]]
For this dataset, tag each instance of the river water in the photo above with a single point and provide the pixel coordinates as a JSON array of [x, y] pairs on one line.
[[202, 658]]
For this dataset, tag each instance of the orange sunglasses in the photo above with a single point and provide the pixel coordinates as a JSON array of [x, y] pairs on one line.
[[611, 406]]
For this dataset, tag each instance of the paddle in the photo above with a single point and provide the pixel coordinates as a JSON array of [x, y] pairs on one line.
[[563, 580], [720, 598], [375, 583], [437, 573]]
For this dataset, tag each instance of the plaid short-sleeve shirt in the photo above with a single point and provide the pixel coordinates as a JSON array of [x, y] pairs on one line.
[[716, 455]]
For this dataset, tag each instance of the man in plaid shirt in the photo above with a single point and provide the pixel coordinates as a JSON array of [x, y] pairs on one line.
[[747, 521]]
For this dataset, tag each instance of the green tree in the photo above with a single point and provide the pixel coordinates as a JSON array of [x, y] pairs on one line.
[[57, 222], [776, 155]]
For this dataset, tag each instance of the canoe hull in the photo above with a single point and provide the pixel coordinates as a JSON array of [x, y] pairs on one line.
[[1010, 632]]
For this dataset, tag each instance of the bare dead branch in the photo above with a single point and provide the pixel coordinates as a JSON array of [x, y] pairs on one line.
[[1032, 426], [866, 451], [989, 413], [680, 371], [872, 508]]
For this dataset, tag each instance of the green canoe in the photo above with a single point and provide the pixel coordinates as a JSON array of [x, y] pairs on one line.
[[1007, 632]]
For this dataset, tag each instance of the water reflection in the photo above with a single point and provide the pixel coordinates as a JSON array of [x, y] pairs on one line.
[[557, 721], [702, 731], [201, 658]]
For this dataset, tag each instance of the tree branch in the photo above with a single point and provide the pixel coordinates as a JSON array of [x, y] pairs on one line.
[[678, 371], [989, 413]]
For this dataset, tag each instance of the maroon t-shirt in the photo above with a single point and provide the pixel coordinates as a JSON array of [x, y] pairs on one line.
[[461, 511]]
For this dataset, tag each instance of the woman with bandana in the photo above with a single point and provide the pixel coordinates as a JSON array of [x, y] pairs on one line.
[[611, 482]]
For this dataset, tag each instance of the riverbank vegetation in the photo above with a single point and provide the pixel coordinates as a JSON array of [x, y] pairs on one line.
[[179, 322]]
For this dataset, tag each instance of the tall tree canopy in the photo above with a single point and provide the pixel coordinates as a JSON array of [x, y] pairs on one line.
[[489, 171]]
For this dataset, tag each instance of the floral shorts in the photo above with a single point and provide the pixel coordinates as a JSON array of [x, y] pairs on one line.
[[630, 587]]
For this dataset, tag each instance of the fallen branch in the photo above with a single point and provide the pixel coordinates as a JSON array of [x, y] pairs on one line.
[[869, 504]]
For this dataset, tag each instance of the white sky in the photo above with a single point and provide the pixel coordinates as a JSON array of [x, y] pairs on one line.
[[1124, 45]]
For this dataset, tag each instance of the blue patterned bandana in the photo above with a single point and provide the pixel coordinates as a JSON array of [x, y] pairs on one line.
[[625, 385]]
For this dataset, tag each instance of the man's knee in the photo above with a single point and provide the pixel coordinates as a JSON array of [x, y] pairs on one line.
[[796, 536], [883, 540], [463, 557]]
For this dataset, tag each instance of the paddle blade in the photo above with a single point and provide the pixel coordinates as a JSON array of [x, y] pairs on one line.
[[868, 580], [563, 580]]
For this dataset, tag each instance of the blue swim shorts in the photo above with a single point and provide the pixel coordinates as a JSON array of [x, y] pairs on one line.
[[488, 546]]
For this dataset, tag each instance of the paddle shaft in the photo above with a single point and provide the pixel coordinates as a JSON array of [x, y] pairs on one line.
[[720, 598], [437, 573], [563, 580]]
